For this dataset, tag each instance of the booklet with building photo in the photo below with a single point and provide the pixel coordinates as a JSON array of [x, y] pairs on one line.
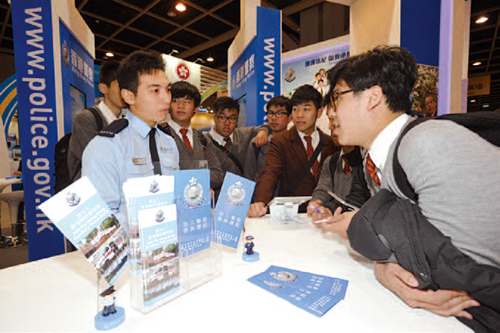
[[154, 240], [81, 214]]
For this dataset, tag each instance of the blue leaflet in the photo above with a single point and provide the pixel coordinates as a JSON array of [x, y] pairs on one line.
[[232, 208], [311, 292], [192, 188]]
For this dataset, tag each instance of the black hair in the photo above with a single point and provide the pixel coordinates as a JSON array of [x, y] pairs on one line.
[[307, 93], [392, 68], [280, 101], [107, 73], [226, 102], [136, 64], [182, 89]]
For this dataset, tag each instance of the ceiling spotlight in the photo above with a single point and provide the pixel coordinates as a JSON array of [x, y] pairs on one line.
[[210, 59], [180, 7], [481, 19], [477, 63], [110, 54], [473, 101]]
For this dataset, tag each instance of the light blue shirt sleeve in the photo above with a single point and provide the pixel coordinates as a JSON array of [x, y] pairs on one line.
[[110, 161]]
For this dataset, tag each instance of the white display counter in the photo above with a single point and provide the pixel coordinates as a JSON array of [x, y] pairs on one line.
[[59, 294]]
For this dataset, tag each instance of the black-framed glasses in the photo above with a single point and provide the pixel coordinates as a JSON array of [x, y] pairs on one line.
[[222, 119], [278, 114], [336, 95]]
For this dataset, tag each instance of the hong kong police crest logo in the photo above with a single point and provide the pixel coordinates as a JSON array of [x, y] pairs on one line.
[[154, 187], [236, 193], [193, 192], [287, 277], [72, 199], [160, 216]]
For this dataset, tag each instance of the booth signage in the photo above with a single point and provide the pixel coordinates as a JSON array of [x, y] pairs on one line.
[[33, 45]]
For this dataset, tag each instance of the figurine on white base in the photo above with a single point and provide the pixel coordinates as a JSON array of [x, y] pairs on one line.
[[250, 255], [110, 316]]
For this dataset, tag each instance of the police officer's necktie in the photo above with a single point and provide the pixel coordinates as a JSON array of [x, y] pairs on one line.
[[154, 152], [185, 138]]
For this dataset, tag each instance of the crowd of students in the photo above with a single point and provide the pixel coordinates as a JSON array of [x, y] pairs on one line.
[[451, 169]]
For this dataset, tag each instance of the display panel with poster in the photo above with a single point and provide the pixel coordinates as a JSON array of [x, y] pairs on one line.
[[424, 94]]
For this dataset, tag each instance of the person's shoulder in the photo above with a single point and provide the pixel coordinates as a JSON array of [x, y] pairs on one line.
[[114, 128]]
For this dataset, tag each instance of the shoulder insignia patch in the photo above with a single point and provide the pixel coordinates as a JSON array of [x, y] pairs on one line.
[[115, 127], [165, 128]]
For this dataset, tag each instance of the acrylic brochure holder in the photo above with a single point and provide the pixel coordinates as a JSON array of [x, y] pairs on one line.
[[284, 210], [171, 249]]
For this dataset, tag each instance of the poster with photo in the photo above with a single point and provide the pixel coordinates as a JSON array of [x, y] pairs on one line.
[[86, 221], [424, 95]]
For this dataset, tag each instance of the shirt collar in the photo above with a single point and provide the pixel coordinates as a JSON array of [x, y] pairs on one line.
[[379, 149], [138, 125], [177, 128], [219, 138], [314, 136], [107, 113]]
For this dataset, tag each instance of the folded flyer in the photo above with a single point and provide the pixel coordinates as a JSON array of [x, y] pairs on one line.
[[311, 292], [87, 222]]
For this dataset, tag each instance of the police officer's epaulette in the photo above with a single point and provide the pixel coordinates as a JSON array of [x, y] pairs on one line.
[[115, 127], [165, 128]]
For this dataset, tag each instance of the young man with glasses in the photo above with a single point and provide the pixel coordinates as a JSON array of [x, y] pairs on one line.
[[193, 145], [291, 159], [233, 142], [453, 171], [279, 109]]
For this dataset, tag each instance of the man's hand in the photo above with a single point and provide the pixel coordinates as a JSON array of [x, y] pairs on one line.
[[261, 138], [316, 211], [338, 223], [404, 285], [257, 209]]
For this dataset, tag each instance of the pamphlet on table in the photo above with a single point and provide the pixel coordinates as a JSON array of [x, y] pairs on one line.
[[311, 292], [154, 240], [232, 208], [192, 190], [81, 214]]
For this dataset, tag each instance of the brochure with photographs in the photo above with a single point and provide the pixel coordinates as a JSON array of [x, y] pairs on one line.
[[81, 214], [154, 240]]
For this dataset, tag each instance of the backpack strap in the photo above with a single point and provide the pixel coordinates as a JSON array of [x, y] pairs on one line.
[[98, 118], [314, 157], [203, 140], [229, 154]]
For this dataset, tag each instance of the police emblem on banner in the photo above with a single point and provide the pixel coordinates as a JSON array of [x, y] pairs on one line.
[[160, 216], [287, 277], [154, 187], [193, 193], [72, 199], [236, 194]]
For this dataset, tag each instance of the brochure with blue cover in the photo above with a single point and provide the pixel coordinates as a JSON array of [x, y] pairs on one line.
[[154, 240], [192, 190], [87, 222], [232, 208], [312, 292]]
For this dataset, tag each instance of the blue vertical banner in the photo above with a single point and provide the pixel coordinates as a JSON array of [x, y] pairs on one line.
[[35, 70], [77, 71], [256, 75]]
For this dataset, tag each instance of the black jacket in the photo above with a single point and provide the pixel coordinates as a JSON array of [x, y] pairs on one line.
[[388, 227]]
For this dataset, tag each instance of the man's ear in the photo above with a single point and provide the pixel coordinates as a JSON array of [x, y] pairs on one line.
[[375, 97], [128, 96], [103, 88]]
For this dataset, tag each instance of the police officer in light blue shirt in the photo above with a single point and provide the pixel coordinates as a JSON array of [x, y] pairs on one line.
[[134, 146]]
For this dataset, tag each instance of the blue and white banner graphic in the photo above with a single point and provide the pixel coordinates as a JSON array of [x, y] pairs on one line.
[[33, 46]]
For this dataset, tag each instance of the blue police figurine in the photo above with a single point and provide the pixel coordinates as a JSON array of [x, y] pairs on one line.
[[250, 255], [110, 316]]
